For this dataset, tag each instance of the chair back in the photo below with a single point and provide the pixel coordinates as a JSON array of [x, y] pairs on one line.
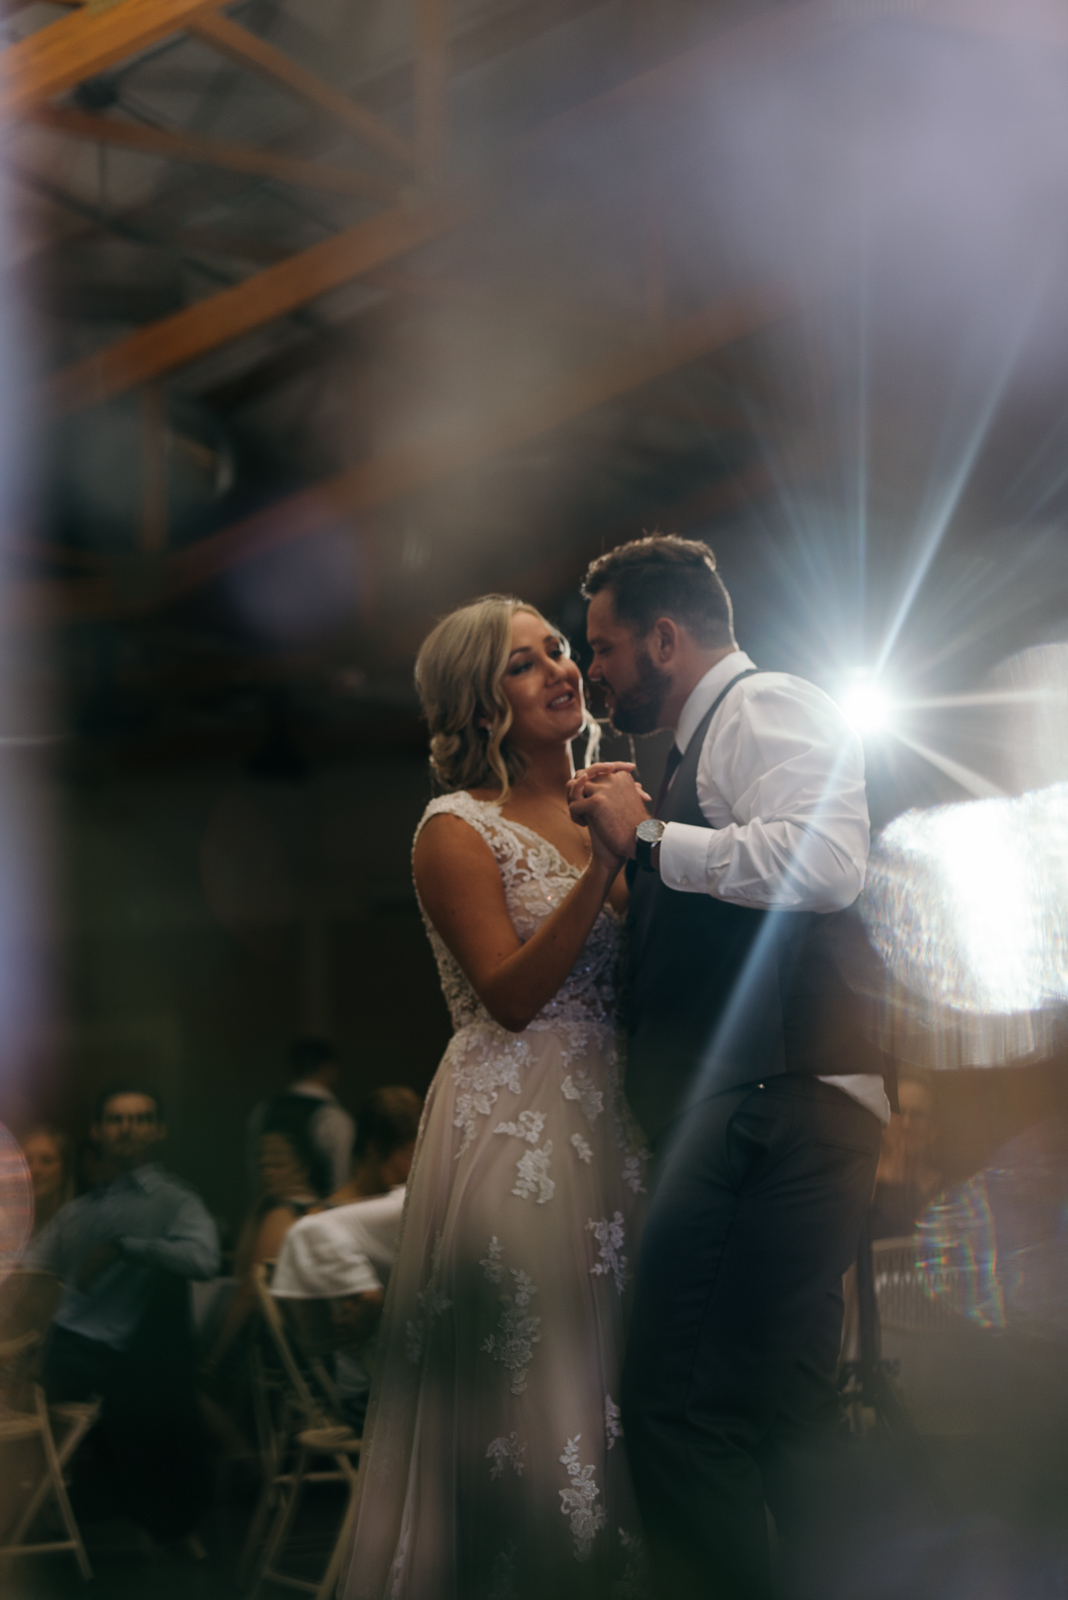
[[318, 1338], [29, 1300], [312, 1325], [298, 1384]]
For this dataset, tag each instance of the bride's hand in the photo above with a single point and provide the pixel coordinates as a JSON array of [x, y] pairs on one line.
[[585, 784], [602, 769], [611, 805], [602, 856]]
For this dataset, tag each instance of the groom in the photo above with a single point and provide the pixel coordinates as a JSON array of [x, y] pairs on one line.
[[743, 1066]]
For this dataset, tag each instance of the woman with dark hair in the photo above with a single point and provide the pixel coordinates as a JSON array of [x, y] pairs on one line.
[[294, 1177]]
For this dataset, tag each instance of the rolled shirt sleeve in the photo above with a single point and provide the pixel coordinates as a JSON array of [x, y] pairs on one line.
[[781, 782], [189, 1248]]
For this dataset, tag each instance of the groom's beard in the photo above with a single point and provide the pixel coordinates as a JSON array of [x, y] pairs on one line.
[[638, 710]]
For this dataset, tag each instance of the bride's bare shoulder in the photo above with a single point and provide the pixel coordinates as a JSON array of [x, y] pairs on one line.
[[452, 854], [454, 822]]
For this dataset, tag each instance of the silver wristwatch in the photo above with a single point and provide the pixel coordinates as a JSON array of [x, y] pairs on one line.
[[649, 832]]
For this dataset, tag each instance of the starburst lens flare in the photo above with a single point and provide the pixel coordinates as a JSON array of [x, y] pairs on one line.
[[968, 904], [866, 706]]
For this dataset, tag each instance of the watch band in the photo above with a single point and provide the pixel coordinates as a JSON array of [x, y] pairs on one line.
[[643, 850]]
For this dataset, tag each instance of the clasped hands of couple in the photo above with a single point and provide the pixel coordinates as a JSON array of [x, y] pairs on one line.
[[607, 799]]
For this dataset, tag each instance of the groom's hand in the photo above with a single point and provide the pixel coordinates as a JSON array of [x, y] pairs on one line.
[[607, 799]]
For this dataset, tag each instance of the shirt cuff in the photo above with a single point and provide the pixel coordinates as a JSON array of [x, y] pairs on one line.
[[684, 857]]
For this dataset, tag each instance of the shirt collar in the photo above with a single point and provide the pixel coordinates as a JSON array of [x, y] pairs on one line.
[[146, 1178], [704, 693]]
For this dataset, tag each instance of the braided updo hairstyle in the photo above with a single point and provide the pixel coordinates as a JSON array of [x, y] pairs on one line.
[[458, 674]]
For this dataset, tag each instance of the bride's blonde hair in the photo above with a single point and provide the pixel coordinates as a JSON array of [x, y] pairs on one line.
[[458, 674]]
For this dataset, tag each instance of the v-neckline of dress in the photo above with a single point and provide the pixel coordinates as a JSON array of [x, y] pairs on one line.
[[533, 833]]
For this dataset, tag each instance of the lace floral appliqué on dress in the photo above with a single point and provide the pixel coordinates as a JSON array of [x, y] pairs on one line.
[[580, 1501], [513, 1343], [502, 1333]]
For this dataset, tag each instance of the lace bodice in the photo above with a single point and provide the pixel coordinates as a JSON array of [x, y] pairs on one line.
[[536, 878]]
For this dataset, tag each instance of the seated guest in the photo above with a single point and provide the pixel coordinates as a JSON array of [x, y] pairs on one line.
[[345, 1254], [388, 1123], [294, 1176], [49, 1158], [908, 1175], [310, 1100], [126, 1252]]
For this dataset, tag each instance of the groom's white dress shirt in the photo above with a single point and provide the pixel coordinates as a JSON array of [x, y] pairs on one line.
[[780, 781]]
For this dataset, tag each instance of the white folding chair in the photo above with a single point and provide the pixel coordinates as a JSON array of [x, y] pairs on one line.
[[319, 1435], [280, 1410], [19, 1427], [28, 1300], [270, 1412]]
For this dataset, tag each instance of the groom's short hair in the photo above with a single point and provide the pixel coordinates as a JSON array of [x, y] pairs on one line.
[[663, 575]]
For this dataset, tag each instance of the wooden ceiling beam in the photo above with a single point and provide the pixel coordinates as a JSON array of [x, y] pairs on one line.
[[208, 324], [177, 340], [76, 47], [248, 50], [184, 337], [175, 146], [406, 471]]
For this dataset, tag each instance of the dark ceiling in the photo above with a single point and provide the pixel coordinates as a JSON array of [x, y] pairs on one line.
[[331, 316]]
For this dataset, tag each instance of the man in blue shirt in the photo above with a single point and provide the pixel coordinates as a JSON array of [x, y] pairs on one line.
[[126, 1252]]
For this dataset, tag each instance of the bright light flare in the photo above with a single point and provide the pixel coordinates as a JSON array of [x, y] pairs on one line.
[[968, 904], [867, 706]]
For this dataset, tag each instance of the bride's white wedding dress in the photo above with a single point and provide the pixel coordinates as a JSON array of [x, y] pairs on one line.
[[493, 1467]]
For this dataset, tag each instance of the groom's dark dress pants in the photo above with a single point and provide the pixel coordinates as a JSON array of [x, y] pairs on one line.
[[729, 1389]]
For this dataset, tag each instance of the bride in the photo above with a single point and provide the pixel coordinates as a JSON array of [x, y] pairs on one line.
[[493, 1467]]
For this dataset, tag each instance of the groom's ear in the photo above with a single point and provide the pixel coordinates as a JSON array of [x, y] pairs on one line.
[[664, 640]]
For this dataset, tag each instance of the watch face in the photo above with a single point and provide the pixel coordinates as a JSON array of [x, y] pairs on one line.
[[651, 830]]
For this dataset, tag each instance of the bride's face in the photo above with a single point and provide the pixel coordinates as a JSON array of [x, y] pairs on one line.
[[543, 686]]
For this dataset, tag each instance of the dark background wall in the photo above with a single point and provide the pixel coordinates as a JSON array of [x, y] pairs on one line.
[[206, 919], [204, 914]]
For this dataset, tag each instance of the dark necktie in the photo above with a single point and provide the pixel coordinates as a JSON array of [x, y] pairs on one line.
[[674, 757]]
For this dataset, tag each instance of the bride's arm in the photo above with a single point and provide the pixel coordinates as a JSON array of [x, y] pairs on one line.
[[461, 890]]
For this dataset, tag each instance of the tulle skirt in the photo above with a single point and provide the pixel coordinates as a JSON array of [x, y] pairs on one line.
[[493, 1465]]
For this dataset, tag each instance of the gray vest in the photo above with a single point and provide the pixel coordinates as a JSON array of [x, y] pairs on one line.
[[718, 995]]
